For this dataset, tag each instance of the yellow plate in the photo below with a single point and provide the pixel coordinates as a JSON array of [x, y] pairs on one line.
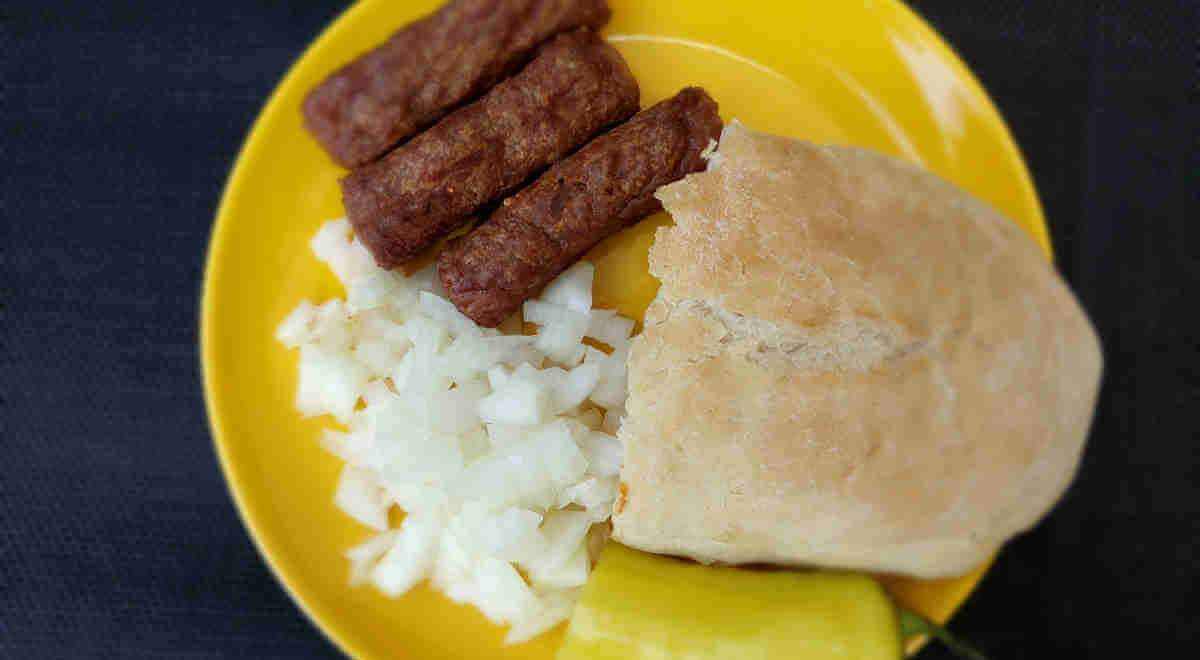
[[869, 73]]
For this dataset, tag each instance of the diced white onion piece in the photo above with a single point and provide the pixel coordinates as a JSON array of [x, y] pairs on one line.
[[528, 473], [572, 288], [330, 382], [372, 548], [502, 594], [411, 556], [364, 556], [416, 498], [353, 448], [527, 354], [456, 411], [498, 376], [605, 326], [410, 450], [564, 461], [611, 390], [376, 393], [331, 327], [472, 354], [604, 453], [329, 238], [560, 340], [502, 435], [553, 608], [347, 258], [564, 533], [595, 495], [359, 420], [521, 401], [297, 327], [474, 443], [454, 568], [440, 309], [511, 534], [571, 572], [378, 356], [562, 329], [543, 313], [578, 384], [381, 325], [429, 336], [373, 290], [360, 497]]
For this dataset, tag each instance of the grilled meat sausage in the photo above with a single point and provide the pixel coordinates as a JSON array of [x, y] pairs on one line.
[[428, 187], [606, 186], [429, 67]]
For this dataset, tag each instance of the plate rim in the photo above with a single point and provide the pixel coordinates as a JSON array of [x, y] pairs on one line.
[[219, 235]]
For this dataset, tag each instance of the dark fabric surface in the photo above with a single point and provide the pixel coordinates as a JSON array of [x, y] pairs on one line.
[[120, 122]]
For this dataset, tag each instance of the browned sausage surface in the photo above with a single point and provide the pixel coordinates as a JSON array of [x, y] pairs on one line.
[[604, 187], [428, 187], [431, 66]]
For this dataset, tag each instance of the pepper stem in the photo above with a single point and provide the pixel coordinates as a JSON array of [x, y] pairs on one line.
[[912, 623]]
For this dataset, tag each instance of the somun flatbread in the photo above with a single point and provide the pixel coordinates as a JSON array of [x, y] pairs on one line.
[[850, 363]]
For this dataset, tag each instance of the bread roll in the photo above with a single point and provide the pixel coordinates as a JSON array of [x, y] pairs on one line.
[[850, 363]]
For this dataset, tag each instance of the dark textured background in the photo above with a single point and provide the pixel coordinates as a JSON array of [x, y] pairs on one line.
[[120, 123]]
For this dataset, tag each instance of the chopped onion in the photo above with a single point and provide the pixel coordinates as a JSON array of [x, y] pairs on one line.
[[330, 382], [520, 401], [605, 326], [363, 557], [297, 328], [496, 457], [572, 288], [603, 452], [512, 534], [360, 497], [410, 558]]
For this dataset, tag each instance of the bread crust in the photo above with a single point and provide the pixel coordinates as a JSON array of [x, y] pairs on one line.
[[850, 363]]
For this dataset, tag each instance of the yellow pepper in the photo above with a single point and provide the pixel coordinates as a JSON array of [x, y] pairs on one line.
[[638, 606]]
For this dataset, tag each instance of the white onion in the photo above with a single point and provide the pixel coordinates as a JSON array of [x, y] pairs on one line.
[[363, 557], [553, 607], [411, 556], [330, 382], [521, 401], [360, 496], [497, 461], [572, 288], [605, 326], [353, 448], [561, 342], [297, 328], [511, 534], [346, 257], [595, 495], [610, 391], [603, 452]]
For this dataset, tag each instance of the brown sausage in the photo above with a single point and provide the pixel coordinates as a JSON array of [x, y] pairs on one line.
[[428, 187], [429, 67], [604, 187]]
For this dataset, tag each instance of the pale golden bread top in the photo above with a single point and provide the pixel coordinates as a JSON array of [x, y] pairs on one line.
[[850, 363]]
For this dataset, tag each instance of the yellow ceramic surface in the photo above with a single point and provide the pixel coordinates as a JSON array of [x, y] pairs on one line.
[[868, 73]]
